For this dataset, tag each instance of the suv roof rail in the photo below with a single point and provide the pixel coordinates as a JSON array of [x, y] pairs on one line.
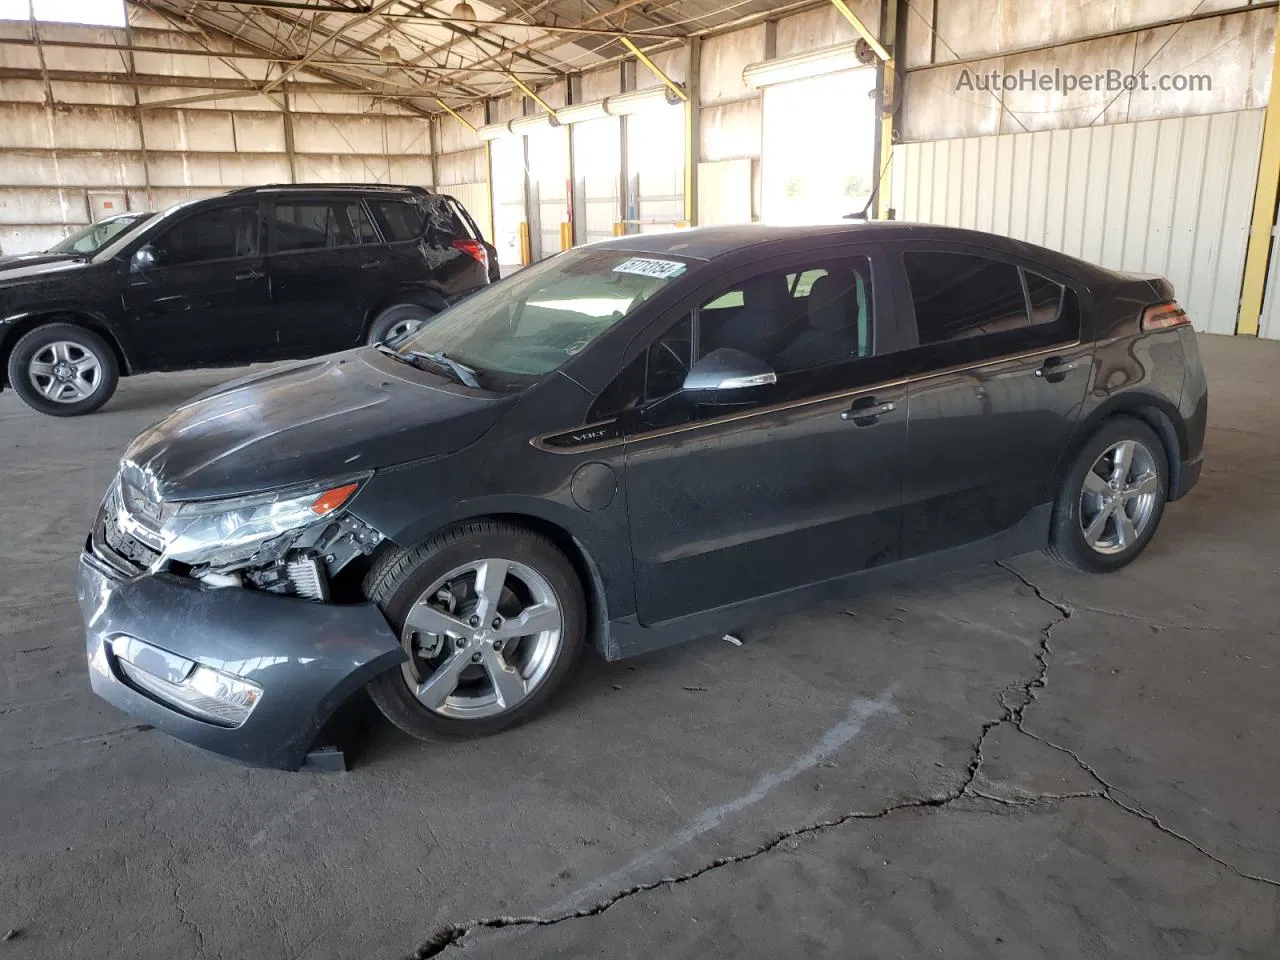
[[372, 187]]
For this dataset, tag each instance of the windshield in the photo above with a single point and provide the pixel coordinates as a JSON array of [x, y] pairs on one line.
[[95, 236], [517, 331]]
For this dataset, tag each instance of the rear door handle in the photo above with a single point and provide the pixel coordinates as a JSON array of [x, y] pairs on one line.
[[865, 411], [1054, 370], [249, 275], [371, 265]]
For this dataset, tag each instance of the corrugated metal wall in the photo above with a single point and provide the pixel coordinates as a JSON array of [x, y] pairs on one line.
[[1171, 197]]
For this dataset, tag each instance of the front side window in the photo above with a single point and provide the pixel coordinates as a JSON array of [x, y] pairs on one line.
[[219, 234], [794, 320], [320, 225], [519, 330]]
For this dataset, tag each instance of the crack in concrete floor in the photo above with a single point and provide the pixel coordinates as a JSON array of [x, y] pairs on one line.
[[1011, 713]]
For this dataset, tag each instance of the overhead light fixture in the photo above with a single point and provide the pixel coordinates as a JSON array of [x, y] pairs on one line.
[[814, 63], [464, 11], [389, 54]]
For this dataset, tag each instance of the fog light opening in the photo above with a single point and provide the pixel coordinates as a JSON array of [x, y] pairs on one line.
[[205, 693]]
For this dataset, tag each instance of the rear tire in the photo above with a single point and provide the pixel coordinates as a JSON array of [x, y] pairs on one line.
[[1111, 499], [63, 369], [515, 616], [398, 321]]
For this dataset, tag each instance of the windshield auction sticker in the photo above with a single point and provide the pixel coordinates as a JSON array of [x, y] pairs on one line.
[[661, 269]]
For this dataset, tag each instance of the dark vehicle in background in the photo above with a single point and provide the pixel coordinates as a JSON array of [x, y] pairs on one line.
[[84, 243], [259, 274], [629, 445]]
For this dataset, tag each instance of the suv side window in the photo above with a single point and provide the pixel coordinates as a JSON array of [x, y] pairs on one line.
[[321, 225], [220, 234], [400, 220]]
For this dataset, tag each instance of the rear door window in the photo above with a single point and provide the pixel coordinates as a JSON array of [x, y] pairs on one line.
[[973, 308], [321, 225]]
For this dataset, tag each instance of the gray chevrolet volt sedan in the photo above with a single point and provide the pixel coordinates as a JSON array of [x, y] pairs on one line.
[[629, 445]]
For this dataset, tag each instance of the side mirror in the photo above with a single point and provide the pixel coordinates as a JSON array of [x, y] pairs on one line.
[[144, 257], [727, 375]]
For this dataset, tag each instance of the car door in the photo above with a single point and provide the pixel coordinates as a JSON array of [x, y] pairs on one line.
[[328, 267], [801, 482], [997, 380], [197, 293]]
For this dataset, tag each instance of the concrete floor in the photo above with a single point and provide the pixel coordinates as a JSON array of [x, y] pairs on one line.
[[1012, 761]]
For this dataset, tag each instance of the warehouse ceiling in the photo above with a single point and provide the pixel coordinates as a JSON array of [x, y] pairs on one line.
[[418, 52]]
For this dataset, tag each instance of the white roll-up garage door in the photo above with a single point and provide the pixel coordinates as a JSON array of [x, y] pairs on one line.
[[818, 156]]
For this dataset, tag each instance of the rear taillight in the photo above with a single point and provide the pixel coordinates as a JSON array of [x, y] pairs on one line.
[[475, 248], [1163, 316]]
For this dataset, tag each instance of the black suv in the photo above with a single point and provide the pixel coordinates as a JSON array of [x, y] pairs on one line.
[[263, 273]]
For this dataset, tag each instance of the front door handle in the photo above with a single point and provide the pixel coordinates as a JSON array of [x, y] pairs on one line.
[[1054, 370], [371, 265], [865, 411], [249, 275]]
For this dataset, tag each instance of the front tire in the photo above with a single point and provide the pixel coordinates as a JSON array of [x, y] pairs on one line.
[[494, 618], [1112, 498], [63, 370], [398, 321]]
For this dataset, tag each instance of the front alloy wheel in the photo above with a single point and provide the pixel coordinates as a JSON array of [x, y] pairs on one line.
[[491, 617], [482, 638], [65, 371]]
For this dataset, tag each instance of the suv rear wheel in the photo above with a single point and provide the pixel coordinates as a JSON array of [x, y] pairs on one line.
[[492, 616], [63, 370], [398, 321], [1112, 498]]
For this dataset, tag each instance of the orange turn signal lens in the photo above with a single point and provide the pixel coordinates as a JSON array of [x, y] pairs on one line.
[[331, 500], [1163, 316]]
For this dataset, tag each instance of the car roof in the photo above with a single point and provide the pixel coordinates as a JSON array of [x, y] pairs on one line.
[[391, 188], [709, 243]]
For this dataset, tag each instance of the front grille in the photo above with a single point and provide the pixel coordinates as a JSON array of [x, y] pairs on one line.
[[125, 545]]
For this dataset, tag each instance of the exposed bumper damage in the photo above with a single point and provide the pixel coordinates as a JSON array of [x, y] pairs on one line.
[[303, 658]]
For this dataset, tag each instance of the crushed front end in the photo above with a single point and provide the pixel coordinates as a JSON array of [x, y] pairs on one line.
[[216, 621]]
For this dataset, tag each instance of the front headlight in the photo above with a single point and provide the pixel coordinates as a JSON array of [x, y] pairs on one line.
[[221, 532]]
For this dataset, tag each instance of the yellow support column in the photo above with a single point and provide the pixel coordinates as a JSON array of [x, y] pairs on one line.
[[1264, 205]]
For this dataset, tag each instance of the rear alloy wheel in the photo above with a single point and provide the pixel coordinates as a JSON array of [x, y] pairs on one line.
[[396, 322], [492, 617], [1113, 498], [63, 369]]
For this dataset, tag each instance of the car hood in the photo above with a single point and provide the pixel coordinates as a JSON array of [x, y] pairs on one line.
[[35, 259], [40, 268], [304, 422]]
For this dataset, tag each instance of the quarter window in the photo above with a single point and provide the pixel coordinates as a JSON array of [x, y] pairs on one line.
[[400, 219], [320, 226], [219, 234]]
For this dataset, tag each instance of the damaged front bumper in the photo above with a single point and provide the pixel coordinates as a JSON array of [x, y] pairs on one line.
[[303, 658]]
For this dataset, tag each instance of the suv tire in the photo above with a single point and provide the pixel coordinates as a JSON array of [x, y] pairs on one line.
[[63, 369], [398, 321]]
